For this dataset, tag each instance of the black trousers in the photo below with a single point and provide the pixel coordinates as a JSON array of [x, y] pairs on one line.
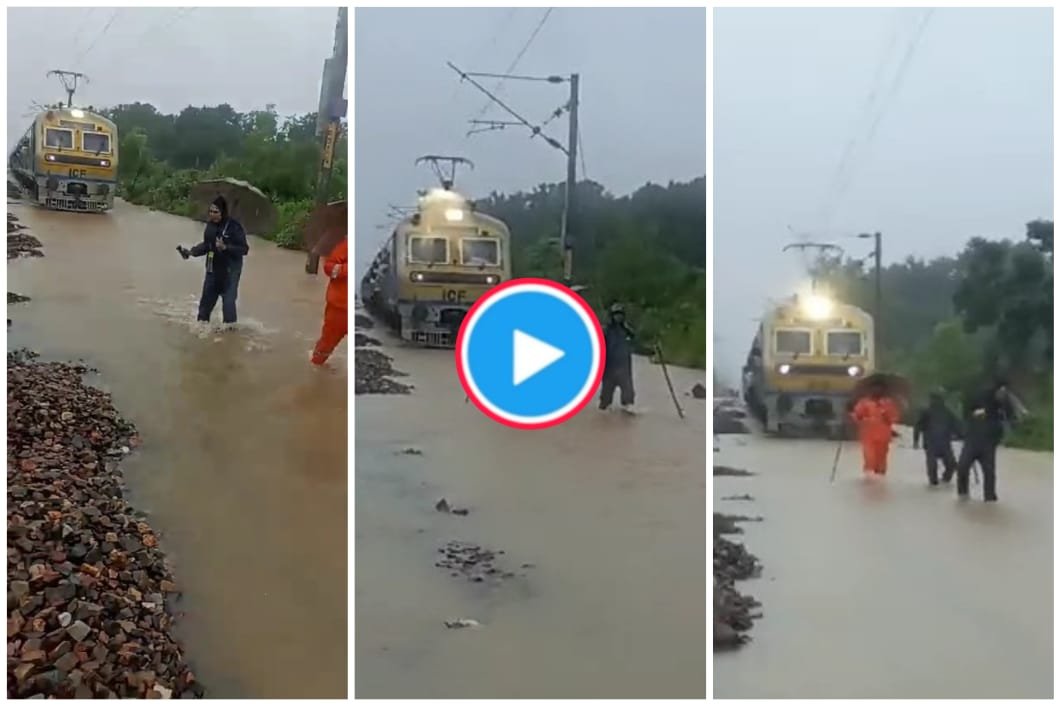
[[984, 453], [936, 454], [227, 288], [623, 379]]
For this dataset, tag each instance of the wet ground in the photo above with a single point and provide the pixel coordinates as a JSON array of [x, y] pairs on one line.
[[243, 467], [607, 511], [891, 589]]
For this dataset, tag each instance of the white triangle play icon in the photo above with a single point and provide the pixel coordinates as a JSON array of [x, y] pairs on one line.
[[530, 356]]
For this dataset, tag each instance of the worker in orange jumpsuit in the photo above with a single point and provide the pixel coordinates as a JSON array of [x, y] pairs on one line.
[[875, 414], [335, 322]]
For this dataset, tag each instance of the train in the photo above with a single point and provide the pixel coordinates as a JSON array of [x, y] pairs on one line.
[[68, 160], [436, 263], [804, 363]]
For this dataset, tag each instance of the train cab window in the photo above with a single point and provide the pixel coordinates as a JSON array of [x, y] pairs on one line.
[[480, 251], [843, 343], [792, 341], [428, 249], [96, 143], [59, 138]]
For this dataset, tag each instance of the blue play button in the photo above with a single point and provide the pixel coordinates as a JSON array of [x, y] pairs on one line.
[[529, 353]]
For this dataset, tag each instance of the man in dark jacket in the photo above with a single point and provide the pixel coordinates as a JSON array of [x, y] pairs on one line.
[[985, 415], [937, 425], [224, 244], [618, 365]]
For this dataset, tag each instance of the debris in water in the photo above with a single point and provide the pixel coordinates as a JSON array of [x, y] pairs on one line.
[[462, 623], [729, 420], [442, 506], [363, 322], [412, 451], [742, 497], [733, 611], [473, 562], [699, 391], [371, 371], [364, 340], [16, 298], [720, 470], [87, 584]]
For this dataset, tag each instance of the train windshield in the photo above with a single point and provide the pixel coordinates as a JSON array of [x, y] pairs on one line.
[[59, 139], [844, 343], [95, 142], [792, 341], [428, 249], [480, 251]]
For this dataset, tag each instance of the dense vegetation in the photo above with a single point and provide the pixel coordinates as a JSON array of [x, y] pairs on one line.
[[957, 321], [162, 156], [646, 250]]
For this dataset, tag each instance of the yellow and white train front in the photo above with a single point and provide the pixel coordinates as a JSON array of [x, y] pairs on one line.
[[75, 160], [816, 350], [448, 267]]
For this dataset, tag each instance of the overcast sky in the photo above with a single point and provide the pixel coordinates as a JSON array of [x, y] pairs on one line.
[[642, 111], [169, 57], [963, 144]]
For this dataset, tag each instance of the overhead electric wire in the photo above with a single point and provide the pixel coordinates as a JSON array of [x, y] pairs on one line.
[[85, 52], [515, 62]]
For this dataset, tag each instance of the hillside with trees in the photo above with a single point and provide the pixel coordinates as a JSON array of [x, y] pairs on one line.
[[163, 155], [646, 250]]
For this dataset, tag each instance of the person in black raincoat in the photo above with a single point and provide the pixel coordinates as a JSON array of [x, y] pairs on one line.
[[618, 364], [937, 426], [985, 417], [224, 244]]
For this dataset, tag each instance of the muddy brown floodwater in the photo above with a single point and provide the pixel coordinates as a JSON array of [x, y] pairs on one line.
[[893, 589], [609, 509], [243, 467]]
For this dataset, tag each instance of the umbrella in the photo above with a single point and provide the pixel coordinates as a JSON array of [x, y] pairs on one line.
[[894, 385], [246, 203], [325, 228]]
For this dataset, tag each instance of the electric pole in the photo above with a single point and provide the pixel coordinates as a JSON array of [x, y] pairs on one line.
[[69, 79], [877, 284], [330, 112], [571, 151]]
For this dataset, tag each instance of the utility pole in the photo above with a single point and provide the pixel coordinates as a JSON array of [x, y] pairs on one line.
[[330, 112], [877, 339], [69, 79], [571, 151]]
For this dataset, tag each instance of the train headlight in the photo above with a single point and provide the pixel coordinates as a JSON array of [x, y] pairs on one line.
[[817, 307], [491, 279], [50, 158], [854, 371], [77, 113], [454, 215], [416, 276], [784, 368], [104, 163]]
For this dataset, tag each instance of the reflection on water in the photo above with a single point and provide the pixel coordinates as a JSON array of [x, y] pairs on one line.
[[609, 509], [243, 466], [885, 588]]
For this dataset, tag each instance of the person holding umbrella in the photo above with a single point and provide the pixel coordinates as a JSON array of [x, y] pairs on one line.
[[224, 244], [875, 412]]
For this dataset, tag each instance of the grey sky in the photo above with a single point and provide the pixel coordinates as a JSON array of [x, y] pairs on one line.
[[642, 109], [963, 149], [170, 57]]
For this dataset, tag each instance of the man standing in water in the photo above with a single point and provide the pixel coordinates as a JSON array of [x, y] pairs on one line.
[[937, 425], [335, 308], [986, 415], [875, 414], [618, 363], [224, 244]]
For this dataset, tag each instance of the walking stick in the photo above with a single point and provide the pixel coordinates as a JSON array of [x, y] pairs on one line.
[[659, 352], [836, 459]]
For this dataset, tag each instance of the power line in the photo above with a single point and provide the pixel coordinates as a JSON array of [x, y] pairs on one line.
[[157, 28], [99, 36], [515, 62]]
